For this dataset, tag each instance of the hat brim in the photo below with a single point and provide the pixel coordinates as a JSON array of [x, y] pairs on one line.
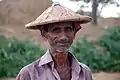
[[35, 25]]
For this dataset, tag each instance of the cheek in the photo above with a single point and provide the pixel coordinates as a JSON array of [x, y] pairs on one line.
[[51, 38], [72, 37]]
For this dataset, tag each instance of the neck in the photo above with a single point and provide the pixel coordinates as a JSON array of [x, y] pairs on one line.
[[60, 59]]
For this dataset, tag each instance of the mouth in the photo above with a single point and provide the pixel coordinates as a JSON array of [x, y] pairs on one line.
[[63, 44], [62, 47]]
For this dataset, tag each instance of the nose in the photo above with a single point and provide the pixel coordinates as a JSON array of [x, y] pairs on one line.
[[63, 37]]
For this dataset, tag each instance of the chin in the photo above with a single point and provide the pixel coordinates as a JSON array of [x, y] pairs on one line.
[[62, 50]]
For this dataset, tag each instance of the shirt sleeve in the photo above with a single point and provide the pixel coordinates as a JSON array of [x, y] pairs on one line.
[[23, 75], [88, 75]]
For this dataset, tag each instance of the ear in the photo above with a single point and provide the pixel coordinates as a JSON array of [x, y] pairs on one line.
[[43, 34], [77, 26]]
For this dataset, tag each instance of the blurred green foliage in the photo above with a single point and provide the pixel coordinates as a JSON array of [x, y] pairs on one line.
[[107, 59], [88, 54], [96, 59], [110, 41], [15, 54]]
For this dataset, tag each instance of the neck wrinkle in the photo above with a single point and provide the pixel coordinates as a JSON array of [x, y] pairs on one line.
[[60, 59]]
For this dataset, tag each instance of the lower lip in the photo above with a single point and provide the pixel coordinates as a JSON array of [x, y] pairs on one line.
[[63, 44]]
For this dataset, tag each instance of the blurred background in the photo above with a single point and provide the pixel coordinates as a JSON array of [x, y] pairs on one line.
[[97, 44]]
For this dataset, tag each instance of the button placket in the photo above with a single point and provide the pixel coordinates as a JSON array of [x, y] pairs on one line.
[[55, 73]]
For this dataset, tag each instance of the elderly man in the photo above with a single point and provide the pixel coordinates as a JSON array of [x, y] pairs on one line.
[[58, 25]]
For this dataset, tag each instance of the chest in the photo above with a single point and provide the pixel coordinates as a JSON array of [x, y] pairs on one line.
[[64, 73], [49, 74]]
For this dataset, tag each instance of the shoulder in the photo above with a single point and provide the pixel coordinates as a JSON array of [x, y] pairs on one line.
[[86, 70], [30, 66], [84, 66], [25, 72]]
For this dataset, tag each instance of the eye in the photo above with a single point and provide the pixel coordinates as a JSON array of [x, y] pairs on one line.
[[56, 30], [69, 29]]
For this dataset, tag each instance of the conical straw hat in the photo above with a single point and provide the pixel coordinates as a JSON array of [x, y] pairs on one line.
[[57, 13]]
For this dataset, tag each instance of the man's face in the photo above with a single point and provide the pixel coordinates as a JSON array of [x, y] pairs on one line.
[[60, 36]]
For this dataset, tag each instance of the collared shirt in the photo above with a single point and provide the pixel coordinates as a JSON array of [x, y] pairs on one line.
[[43, 69]]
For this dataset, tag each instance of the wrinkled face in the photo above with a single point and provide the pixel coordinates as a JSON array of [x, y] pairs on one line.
[[60, 36]]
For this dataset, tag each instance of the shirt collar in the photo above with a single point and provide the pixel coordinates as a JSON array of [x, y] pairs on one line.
[[75, 64], [47, 58]]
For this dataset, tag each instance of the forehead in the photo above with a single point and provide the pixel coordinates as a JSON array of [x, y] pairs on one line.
[[60, 24]]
